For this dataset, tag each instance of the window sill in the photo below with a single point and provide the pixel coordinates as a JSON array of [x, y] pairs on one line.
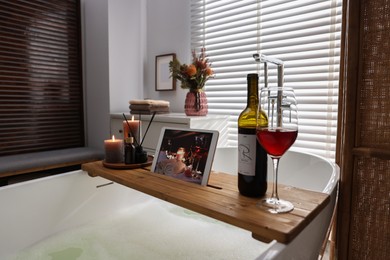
[[33, 162]]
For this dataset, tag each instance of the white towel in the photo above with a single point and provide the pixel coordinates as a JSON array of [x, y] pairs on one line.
[[150, 102], [149, 108]]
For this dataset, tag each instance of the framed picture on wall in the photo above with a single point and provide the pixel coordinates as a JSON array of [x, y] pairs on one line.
[[163, 81]]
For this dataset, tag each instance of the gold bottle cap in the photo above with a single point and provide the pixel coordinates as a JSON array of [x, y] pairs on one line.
[[129, 140]]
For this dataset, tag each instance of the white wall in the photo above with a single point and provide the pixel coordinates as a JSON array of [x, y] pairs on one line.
[[120, 41], [168, 31], [126, 50], [96, 64]]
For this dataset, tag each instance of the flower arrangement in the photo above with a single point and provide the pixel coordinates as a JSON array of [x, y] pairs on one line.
[[194, 75]]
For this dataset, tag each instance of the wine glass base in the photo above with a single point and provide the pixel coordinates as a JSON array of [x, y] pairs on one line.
[[275, 206]]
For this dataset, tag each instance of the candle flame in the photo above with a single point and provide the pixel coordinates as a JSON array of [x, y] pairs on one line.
[[132, 118], [113, 137]]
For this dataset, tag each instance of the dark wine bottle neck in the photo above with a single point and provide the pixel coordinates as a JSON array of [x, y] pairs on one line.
[[253, 90]]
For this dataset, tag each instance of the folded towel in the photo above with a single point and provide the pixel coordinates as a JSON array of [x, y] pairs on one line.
[[149, 102], [146, 112], [148, 107]]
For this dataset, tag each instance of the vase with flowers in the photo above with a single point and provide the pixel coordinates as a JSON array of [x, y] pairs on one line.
[[193, 77]]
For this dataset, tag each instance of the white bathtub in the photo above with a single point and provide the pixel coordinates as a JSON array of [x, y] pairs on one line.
[[301, 170], [35, 210]]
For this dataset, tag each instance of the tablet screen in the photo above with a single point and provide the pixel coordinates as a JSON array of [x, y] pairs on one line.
[[185, 154]]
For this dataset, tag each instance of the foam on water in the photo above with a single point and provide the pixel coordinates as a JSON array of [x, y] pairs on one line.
[[151, 230]]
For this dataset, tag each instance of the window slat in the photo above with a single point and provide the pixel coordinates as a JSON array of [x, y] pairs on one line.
[[305, 34], [41, 102]]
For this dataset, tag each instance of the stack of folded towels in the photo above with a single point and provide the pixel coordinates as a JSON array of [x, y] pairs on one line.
[[148, 106]]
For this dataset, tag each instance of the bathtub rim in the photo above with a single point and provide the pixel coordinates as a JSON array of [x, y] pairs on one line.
[[335, 175], [332, 181], [26, 182]]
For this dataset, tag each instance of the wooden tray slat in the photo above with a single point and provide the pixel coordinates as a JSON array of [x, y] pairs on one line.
[[221, 200]]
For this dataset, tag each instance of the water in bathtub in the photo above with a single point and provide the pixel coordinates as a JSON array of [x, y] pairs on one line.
[[151, 230]]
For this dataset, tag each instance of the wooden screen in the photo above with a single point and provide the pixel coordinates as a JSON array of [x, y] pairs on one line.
[[364, 132], [41, 102]]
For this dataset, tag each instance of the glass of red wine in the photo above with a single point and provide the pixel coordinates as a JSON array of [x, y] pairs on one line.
[[276, 136]]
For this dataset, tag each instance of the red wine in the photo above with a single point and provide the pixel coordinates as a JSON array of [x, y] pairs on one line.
[[276, 141], [252, 158]]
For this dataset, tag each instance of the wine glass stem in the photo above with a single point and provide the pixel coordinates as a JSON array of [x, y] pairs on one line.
[[275, 162]]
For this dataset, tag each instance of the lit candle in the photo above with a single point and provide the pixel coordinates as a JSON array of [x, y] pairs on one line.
[[113, 150], [180, 154], [134, 127]]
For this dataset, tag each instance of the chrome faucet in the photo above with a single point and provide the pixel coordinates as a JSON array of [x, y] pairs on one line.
[[261, 58], [265, 59]]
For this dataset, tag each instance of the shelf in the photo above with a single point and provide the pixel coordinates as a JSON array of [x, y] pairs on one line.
[[178, 118], [173, 120], [221, 200]]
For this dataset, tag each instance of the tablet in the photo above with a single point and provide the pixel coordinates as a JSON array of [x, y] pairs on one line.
[[185, 154]]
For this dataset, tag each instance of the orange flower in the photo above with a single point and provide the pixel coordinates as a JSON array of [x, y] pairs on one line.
[[209, 71], [194, 75], [191, 70]]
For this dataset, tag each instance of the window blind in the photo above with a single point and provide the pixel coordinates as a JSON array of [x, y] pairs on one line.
[[41, 104], [305, 34]]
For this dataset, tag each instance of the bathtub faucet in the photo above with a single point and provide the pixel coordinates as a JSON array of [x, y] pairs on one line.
[[261, 58]]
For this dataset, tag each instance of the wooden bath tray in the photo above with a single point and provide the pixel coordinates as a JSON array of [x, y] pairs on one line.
[[221, 200]]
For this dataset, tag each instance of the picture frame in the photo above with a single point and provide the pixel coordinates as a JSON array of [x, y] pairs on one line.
[[185, 154], [163, 80]]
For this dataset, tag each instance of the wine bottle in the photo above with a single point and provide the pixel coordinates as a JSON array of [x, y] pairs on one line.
[[252, 158]]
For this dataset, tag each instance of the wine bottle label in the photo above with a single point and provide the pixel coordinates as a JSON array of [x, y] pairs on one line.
[[247, 154]]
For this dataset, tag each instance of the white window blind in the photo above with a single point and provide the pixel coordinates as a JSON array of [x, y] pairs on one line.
[[305, 34]]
